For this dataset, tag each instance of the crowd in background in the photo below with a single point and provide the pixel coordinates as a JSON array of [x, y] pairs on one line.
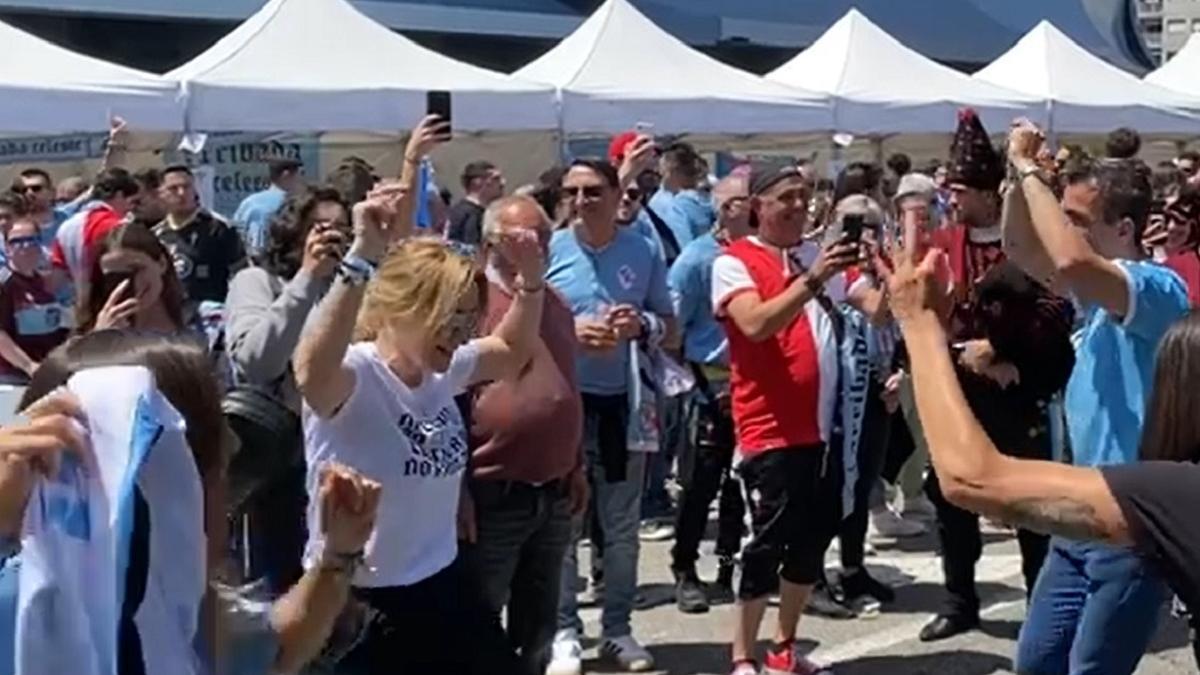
[[429, 419]]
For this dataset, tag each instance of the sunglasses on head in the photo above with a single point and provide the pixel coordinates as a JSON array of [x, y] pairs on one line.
[[588, 192]]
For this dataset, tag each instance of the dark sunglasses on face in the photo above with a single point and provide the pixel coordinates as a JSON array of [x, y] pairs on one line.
[[588, 191], [35, 188], [633, 194], [23, 242]]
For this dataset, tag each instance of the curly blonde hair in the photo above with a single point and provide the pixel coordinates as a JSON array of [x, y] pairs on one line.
[[420, 282]]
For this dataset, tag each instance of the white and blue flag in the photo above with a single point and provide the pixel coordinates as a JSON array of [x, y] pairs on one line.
[[78, 530]]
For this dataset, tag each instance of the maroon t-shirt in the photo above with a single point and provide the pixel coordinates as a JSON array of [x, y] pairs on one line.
[[31, 316], [529, 429]]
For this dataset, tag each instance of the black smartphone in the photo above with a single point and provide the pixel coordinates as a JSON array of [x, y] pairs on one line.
[[438, 103], [110, 280], [852, 228]]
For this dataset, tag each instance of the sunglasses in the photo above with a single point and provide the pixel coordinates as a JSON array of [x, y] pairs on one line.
[[23, 242], [633, 194], [35, 188], [589, 192], [462, 326]]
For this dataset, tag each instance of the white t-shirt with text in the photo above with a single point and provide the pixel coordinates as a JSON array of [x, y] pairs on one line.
[[413, 442]]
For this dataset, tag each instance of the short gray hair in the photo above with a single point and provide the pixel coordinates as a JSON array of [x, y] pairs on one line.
[[492, 216]]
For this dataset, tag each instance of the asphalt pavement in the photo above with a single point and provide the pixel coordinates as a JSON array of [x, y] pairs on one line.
[[885, 643]]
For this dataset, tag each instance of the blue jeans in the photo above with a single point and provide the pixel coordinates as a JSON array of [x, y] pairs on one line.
[[617, 509], [1094, 611]]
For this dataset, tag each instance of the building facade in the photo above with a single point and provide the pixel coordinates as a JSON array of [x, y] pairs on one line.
[[757, 35], [1166, 25]]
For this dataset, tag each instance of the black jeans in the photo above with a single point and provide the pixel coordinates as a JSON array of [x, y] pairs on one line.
[[872, 448], [704, 468], [437, 625], [962, 545], [517, 559]]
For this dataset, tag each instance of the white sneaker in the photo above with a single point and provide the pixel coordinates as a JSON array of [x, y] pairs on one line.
[[566, 654], [628, 654], [919, 506], [886, 523], [656, 530]]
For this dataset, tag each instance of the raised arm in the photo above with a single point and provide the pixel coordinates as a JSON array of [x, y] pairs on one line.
[[510, 346], [1077, 267], [304, 617], [384, 218], [1042, 496]]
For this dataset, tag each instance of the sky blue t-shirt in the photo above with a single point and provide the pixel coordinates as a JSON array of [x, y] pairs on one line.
[[1109, 388], [688, 213], [690, 280], [253, 217], [626, 271]]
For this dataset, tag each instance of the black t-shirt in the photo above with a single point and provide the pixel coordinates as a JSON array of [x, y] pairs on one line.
[[465, 222], [207, 252], [1161, 505]]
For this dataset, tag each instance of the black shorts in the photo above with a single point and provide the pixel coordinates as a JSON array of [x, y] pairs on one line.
[[794, 498]]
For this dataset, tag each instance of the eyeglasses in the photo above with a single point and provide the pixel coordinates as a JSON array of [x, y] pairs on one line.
[[23, 242], [633, 194], [35, 188], [589, 192]]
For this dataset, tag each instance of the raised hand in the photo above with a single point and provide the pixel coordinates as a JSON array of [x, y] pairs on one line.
[[522, 249], [381, 219], [323, 249], [917, 280], [639, 156], [51, 426], [120, 308], [349, 503], [834, 258], [429, 133], [1025, 142]]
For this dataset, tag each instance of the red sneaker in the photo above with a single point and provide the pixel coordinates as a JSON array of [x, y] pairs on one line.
[[783, 660]]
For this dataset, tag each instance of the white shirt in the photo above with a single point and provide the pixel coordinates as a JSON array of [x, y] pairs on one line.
[[413, 442], [731, 277]]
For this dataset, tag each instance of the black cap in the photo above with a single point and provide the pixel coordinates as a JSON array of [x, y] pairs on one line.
[[763, 175]]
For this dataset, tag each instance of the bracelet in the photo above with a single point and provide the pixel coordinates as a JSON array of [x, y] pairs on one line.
[[1031, 170], [341, 563], [355, 270]]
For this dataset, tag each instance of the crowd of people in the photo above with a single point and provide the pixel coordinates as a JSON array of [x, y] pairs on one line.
[[406, 426]]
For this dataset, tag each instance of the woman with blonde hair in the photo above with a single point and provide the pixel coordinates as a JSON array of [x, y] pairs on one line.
[[392, 346]]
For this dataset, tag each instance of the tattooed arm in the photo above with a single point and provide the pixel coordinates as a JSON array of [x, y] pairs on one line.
[[1047, 497]]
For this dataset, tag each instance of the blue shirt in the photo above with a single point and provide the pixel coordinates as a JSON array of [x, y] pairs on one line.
[[687, 213], [1114, 366], [627, 271], [690, 280], [253, 217]]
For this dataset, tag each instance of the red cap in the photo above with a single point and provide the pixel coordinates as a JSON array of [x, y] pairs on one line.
[[619, 144]]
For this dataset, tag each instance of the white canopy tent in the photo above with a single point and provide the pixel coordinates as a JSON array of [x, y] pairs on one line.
[[880, 86], [320, 65], [1083, 93], [618, 68], [46, 89], [1182, 73]]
